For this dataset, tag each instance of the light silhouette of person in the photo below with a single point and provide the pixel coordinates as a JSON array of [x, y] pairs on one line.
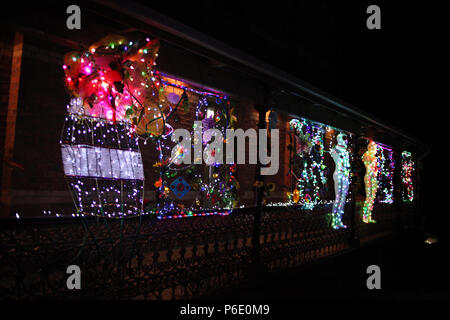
[[370, 180], [341, 177]]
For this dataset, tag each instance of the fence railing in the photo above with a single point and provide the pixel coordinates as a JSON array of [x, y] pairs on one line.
[[145, 258]]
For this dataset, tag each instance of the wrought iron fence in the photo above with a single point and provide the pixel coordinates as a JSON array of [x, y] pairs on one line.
[[146, 258]]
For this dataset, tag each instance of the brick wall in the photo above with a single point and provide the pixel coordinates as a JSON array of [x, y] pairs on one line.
[[247, 117]]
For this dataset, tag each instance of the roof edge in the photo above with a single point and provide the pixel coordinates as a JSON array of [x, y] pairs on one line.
[[168, 25]]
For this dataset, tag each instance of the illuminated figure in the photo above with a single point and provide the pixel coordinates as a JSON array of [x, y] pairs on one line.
[[341, 178], [370, 180]]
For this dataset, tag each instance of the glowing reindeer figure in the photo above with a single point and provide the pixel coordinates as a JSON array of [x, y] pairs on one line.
[[370, 180]]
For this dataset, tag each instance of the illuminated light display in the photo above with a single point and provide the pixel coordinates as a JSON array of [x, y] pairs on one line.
[[115, 97], [168, 81], [114, 79], [379, 178], [102, 166], [208, 189], [386, 166], [190, 213], [370, 180], [110, 110], [309, 168], [341, 176], [309, 172], [407, 175]]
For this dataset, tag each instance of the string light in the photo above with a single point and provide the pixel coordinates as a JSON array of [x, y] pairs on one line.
[[407, 174], [215, 193], [370, 180], [121, 98], [103, 166], [203, 93], [340, 155], [310, 149], [115, 98], [386, 166]]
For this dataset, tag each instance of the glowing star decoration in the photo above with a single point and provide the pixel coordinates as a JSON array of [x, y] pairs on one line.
[[341, 177], [309, 166], [370, 180], [407, 174]]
